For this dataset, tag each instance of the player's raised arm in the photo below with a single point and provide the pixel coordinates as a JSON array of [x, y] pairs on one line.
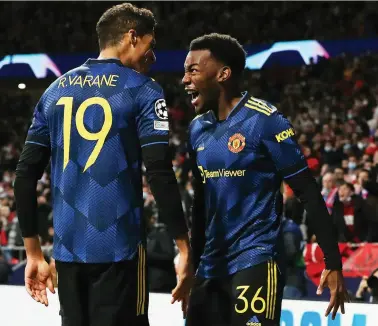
[[33, 160], [279, 140], [197, 231], [153, 129]]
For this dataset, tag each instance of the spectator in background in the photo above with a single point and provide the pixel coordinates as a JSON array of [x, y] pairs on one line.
[[331, 154], [329, 190], [339, 176], [43, 211], [5, 269], [295, 286], [369, 190], [161, 254], [350, 215], [368, 289], [362, 178]]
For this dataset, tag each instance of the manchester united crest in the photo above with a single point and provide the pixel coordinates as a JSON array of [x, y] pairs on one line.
[[236, 143]]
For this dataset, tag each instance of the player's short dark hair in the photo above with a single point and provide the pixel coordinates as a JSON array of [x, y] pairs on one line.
[[224, 48], [119, 19]]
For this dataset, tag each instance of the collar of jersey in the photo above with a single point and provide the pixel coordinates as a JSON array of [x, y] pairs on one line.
[[236, 108], [108, 60]]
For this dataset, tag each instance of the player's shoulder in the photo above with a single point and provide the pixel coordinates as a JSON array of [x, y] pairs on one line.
[[65, 76], [150, 84], [197, 125], [261, 107], [267, 113], [199, 120]]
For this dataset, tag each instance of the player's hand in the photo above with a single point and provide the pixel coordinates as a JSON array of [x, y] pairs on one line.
[[185, 277], [38, 277], [184, 305], [334, 280], [54, 274]]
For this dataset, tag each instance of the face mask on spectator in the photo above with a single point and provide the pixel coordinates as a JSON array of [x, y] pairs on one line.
[[347, 146], [352, 165], [350, 116], [6, 179], [360, 145], [327, 148]]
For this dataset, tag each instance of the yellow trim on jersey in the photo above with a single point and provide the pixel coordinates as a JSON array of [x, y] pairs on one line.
[[141, 286], [271, 290], [260, 106], [257, 109]]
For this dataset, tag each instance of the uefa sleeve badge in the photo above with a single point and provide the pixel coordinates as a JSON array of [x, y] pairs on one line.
[[161, 109]]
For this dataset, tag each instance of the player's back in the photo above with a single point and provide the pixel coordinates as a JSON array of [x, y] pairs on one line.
[[96, 130]]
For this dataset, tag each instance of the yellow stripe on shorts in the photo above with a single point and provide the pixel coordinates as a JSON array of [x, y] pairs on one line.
[[271, 290], [141, 286]]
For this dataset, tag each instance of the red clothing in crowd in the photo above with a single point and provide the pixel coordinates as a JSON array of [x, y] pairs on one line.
[[3, 238], [314, 259], [349, 220], [330, 199]]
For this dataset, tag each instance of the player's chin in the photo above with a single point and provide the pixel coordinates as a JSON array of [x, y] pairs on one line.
[[198, 104], [199, 109]]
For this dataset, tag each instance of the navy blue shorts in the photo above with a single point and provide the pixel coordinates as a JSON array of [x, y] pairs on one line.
[[250, 297]]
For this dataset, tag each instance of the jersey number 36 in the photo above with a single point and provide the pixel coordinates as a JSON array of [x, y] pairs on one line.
[[99, 136]]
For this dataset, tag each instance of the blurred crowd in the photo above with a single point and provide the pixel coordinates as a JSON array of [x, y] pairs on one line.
[[70, 26]]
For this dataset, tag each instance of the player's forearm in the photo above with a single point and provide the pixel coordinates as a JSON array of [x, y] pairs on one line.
[[307, 190], [33, 248], [30, 167], [26, 203], [183, 245], [164, 188], [197, 233]]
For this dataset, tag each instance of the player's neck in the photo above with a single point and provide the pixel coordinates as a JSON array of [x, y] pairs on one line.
[[109, 53], [227, 101]]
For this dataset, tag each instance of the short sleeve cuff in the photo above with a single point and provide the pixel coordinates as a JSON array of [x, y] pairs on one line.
[[152, 140], [294, 169], [38, 140]]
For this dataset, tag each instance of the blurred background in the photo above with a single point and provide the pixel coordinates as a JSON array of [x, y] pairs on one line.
[[316, 62]]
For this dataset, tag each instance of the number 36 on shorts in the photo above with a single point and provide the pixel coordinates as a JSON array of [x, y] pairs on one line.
[[263, 300]]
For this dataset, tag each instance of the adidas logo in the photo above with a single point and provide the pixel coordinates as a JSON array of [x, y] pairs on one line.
[[253, 322]]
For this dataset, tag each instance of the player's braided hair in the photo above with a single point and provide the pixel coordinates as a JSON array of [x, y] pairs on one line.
[[224, 48], [119, 19]]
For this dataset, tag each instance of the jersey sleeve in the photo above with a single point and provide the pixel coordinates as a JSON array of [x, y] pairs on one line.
[[278, 137], [152, 116], [38, 132]]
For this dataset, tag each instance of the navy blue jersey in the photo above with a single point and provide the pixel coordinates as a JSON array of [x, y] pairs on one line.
[[242, 162], [96, 118]]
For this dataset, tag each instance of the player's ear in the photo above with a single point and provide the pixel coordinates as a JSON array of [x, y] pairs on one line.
[[224, 74], [132, 36]]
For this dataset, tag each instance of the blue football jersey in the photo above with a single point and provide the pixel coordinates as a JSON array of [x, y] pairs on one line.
[[96, 118], [242, 162]]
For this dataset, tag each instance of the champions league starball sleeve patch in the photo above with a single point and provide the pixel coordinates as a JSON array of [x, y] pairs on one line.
[[161, 109]]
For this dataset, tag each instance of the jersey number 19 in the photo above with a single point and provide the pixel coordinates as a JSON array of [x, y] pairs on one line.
[[99, 136]]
